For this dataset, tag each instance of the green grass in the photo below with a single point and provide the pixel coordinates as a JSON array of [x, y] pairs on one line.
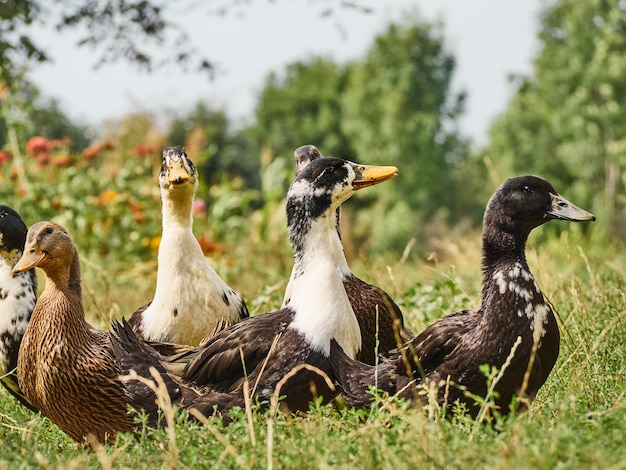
[[577, 421]]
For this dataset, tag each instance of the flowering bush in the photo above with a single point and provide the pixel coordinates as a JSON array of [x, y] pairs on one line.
[[102, 205], [108, 197]]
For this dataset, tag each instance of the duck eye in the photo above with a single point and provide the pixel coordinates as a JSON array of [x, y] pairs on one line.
[[48, 230], [527, 189]]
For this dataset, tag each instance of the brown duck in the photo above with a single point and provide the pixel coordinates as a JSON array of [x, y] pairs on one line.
[[66, 368], [380, 319]]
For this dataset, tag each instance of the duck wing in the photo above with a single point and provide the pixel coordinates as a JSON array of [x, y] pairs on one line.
[[434, 345], [380, 319], [233, 353], [135, 318], [356, 379], [134, 355]]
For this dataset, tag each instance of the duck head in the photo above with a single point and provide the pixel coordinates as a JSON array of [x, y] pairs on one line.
[[324, 184], [49, 247], [177, 169], [305, 155], [525, 202], [12, 234]]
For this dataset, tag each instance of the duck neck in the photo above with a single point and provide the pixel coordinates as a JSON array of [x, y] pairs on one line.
[[509, 288], [177, 207], [502, 251], [318, 297], [63, 296], [316, 239], [502, 246]]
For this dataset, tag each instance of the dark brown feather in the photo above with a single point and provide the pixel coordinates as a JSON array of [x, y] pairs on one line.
[[380, 319]]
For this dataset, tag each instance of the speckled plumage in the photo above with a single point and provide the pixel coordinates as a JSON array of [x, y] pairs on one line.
[[380, 319], [190, 298], [452, 349], [18, 293], [274, 343], [66, 368]]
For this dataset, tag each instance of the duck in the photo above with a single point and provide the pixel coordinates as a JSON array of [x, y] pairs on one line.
[[514, 329], [17, 299], [380, 319], [190, 298], [65, 367], [264, 348]]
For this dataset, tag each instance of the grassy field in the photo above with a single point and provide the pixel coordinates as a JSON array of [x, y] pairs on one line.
[[577, 421]]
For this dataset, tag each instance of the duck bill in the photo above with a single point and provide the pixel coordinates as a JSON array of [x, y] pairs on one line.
[[369, 175], [562, 209], [29, 260], [176, 171]]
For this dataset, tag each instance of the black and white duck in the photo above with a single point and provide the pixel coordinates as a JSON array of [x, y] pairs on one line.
[[514, 323], [190, 298], [380, 319], [18, 293], [273, 344]]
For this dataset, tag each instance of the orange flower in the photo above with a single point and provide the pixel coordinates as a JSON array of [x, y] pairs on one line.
[[208, 246], [106, 197], [138, 214], [61, 161], [153, 243]]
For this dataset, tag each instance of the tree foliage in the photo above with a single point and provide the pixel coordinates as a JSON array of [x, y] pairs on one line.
[[31, 114], [218, 150], [567, 121], [399, 109], [142, 32], [117, 29], [394, 107], [303, 106]]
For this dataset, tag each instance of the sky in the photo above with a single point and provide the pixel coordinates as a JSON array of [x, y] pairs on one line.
[[491, 39]]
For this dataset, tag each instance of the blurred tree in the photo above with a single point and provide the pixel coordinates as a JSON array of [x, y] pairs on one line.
[[303, 107], [567, 121], [394, 107], [119, 29], [30, 114], [399, 109], [214, 147]]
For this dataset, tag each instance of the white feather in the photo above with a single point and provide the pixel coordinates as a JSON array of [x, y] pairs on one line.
[[186, 282], [14, 311]]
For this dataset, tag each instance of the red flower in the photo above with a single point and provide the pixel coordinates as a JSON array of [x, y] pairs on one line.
[[143, 150], [5, 156], [37, 145], [93, 152]]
